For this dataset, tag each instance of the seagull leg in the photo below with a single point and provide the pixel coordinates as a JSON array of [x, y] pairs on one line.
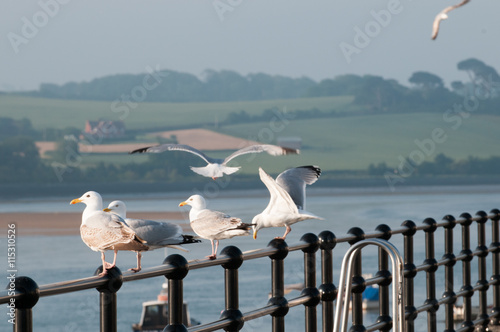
[[214, 253], [104, 265], [288, 229], [114, 260], [138, 268]]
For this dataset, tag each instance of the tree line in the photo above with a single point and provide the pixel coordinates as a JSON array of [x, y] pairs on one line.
[[426, 92]]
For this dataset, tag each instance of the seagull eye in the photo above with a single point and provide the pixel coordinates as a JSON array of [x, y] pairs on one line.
[[88, 195]]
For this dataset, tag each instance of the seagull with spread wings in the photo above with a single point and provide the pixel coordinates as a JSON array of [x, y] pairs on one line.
[[443, 15], [288, 199], [215, 167]]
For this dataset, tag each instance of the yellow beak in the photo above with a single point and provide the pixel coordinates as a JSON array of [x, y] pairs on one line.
[[255, 235], [107, 210], [76, 200], [182, 203]]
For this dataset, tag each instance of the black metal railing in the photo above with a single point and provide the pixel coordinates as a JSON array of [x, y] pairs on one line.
[[175, 268]]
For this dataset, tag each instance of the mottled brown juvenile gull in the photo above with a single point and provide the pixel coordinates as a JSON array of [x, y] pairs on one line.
[[156, 234], [288, 199], [102, 231], [443, 15], [213, 225], [215, 167]]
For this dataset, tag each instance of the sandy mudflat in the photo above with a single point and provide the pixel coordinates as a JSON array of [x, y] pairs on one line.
[[68, 223]]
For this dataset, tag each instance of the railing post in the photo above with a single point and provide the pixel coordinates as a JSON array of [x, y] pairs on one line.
[[310, 281], [449, 292], [482, 273], [232, 310], [327, 289], [383, 271], [410, 273], [278, 284], [495, 276], [20, 310], [466, 272], [430, 271], [175, 292], [107, 299], [358, 283]]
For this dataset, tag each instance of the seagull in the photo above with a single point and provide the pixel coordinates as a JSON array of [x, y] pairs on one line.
[[213, 225], [288, 197], [216, 168], [156, 234], [443, 15], [102, 231]]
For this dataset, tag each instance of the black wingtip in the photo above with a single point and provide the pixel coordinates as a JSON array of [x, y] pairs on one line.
[[141, 150], [313, 168], [189, 239]]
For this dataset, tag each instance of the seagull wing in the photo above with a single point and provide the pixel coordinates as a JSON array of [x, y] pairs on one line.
[[294, 181], [103, 231], [174, 147], [212, 223], [156, 234], [280, 201], [443, 15], [273, 150]]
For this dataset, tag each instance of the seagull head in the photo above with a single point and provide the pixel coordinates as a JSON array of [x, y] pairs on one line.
[[117, 207], [256, 225], [195, 201], [91, 198]]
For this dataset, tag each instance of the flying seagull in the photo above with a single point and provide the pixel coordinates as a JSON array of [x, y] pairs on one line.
[[156, 234], [213, 225], [288, 198], [216, 168], [102, 231], [443, 15]]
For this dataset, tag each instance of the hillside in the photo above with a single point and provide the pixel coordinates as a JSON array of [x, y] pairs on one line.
[[56, 113]]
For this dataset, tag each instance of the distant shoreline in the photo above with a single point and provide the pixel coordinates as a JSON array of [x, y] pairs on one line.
[[37, 190], [68, 223]]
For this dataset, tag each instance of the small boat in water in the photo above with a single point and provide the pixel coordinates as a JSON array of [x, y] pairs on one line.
[[154, 315]]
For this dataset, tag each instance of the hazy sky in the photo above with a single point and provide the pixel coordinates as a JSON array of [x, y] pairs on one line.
[[57, 41]]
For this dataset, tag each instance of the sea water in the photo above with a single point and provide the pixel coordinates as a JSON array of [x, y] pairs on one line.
[[50, 259]]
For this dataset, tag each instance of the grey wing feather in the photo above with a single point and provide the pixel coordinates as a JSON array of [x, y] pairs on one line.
[[273, 150], [156, 233], [294, 181], [217, 222], [174, 147]]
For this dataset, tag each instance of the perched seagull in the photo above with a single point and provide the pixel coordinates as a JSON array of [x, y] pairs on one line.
[[216, 168], [288, 198], [156, 234], [103, 231], [213, 225], [443, 15]]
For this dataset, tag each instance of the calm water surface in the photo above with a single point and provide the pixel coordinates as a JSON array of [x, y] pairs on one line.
[[49, 259]]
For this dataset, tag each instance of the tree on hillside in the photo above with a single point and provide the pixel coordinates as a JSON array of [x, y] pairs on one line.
[[379, 94], [484, 79], [21, 161], [426, 81]]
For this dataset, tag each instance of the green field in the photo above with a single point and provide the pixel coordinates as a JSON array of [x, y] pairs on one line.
[[56, 113], [342, 143], [356, 142]]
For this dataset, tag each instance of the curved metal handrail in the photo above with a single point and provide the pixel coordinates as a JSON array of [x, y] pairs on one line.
[[344, 294]]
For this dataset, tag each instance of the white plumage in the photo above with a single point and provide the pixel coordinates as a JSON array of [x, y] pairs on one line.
[[288, 199], [215, 167], [213, 225]]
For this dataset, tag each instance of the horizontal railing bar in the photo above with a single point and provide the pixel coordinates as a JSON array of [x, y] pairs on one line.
[[381, 326], [212, 326], [299, 300], [261, 312]]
